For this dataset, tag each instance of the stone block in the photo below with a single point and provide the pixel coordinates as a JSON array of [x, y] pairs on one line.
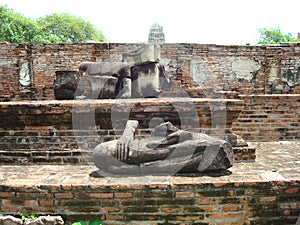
[[145, 54], [147, 80], [117, 69], [108, 79], [103, 87], [45, 220], [65, 84]]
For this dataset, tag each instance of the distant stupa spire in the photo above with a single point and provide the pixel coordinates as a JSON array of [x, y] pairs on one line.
[[156, 34]]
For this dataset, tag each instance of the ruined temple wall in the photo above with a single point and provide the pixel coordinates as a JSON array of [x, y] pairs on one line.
[[27, 70], [253, 72], [41, 60], [246, 69]]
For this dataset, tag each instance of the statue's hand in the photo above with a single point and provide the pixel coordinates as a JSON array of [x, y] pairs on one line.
[[123, 147], [126, 140]]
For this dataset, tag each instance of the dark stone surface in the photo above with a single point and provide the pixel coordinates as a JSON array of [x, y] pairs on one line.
[[148, 80], [66, 84], [108, 79], [103, 87]]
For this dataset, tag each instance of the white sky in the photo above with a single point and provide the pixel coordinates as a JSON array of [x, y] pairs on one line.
[[184, 21]]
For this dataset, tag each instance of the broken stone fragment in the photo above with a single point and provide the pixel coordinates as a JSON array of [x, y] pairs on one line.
[[10, 220], [25, 75], [116, 69], [146, 54], [103, 87], [41, 220], [45, 220], [108, 79], [66, 84], [148, 80]]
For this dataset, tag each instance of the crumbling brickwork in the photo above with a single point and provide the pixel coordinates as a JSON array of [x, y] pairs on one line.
[[246, 69], [196, 70], [269, 118], [171, 201], [67, 132]]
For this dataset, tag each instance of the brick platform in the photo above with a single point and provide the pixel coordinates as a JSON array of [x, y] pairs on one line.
[[263, 192]]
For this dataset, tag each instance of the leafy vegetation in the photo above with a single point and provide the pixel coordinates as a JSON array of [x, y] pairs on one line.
[[274, 36], [67, 28], [92, 222], [28, 216], [16, 28], [52, 28]]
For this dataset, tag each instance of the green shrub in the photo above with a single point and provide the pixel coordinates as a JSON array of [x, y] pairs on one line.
[[28, 216], [92, 222]]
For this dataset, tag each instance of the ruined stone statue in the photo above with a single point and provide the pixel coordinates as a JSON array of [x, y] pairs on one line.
[[109, 79], [139, 75], [168, 150]]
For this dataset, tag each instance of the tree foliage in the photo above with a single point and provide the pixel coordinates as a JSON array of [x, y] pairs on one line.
[[274, 36], [16, 28], [68, 28], [52, 28]]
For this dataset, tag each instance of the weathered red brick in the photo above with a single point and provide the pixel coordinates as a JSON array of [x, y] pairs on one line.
[[226, 215], [184, 194], [291, 190], [48, 203], [123, 195], [267, 199], [231, 208], [170, 209], [7, 194], [207, 201], [10, 209], [64, 195]]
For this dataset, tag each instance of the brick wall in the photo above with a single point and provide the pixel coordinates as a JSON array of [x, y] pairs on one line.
[[269, 118], [44, 132], [67, 131], [174, 202], [246, 69], [43, 60]]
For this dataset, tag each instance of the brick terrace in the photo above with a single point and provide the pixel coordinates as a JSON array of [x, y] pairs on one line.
[[263, 192]]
